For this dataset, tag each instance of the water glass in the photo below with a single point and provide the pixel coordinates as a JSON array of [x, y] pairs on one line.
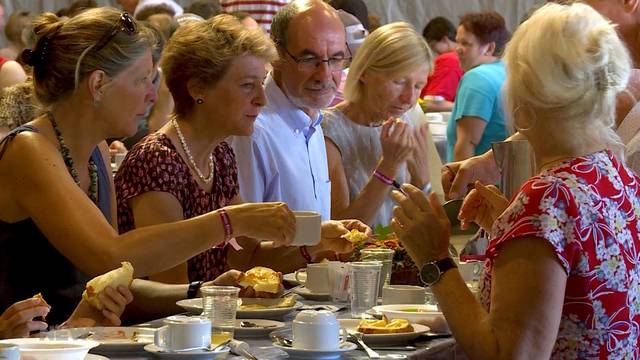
[[219, 304], [386, 257], [363, 285], [338, 281]]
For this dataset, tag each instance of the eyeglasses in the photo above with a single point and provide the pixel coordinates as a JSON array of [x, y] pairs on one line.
[[125, 24], [311, 63]]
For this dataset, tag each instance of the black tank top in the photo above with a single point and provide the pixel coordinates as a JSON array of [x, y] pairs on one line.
[[29, 264]]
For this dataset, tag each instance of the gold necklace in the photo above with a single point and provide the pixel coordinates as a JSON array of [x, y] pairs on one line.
[[192, 162]]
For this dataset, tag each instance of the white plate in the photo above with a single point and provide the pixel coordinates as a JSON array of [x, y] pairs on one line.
[[265, 327], [317, 354], [194, 306], [195, 354], [399, 338], [111, 339], [291, 278], [52, 349], [309, 295]]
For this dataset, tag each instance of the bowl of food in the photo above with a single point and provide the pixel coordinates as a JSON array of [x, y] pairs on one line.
[[422, 314], [44, 349]]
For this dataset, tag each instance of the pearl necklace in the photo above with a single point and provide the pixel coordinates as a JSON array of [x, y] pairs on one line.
[[192, 162]]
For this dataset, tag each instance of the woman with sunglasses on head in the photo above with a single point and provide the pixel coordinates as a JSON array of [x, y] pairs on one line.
[[214, 70], [378, 133], [57, 199]]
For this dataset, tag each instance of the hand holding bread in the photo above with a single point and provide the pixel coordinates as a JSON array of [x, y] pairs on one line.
[[258, 282]]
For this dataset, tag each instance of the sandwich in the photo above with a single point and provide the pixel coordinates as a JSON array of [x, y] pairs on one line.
[[261, 279], [44, 303], [355, 236], [114, 278], [384, 326]]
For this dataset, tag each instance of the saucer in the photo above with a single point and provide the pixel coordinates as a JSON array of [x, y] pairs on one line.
[[317, 354], [310, 295], [193, 354]]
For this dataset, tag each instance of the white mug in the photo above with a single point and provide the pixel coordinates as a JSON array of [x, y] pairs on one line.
[[9, 351], [182, 332], [403, 294], [317, 330], [317, 278], [308, 225]]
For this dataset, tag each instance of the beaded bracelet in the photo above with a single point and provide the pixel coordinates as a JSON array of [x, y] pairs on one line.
[[228, 230]]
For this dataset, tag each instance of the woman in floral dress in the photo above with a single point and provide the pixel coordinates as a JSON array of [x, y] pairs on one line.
[[562, 275]]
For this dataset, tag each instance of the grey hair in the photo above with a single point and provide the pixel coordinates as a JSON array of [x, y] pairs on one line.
[[280, 23]]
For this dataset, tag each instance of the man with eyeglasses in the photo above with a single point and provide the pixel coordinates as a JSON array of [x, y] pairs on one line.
[[285, 158]]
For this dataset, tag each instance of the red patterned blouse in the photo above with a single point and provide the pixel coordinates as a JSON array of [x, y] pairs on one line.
[[154, 165]]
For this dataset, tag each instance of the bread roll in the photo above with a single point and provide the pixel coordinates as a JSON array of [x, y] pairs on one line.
[[261, 279], [114, 278]]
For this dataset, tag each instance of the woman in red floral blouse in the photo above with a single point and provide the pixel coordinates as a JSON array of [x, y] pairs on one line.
[[562, 275]]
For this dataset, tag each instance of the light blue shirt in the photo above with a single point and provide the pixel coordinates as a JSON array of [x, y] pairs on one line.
[[285, 158], [479, 95]]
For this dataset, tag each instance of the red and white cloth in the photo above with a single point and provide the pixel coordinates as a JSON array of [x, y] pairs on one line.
[[261, 11]]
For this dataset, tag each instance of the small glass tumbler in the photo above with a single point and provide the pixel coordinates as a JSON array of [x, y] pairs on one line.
[[363, 286], [386, 257], [219, 304]]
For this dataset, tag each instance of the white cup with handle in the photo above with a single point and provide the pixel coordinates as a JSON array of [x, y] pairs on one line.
[[182, 332], [317, 277], [308, 225], [317, 330]]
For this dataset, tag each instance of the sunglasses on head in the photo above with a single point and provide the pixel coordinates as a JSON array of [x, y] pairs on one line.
[[125, 23]]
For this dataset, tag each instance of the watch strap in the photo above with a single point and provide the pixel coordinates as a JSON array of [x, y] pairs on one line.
[[192, 291], [443, 266]]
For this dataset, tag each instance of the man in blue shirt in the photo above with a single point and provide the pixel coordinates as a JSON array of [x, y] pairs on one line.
[[285, 158], [477, 118]]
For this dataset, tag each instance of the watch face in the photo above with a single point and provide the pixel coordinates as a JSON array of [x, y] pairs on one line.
[[430, 273]]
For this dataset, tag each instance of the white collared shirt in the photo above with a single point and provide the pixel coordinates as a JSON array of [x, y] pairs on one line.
[[285, 158]]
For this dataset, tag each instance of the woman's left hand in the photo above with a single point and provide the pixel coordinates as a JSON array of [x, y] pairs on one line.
[[418, 164], [114, 301], [331, 235], [421, 224]]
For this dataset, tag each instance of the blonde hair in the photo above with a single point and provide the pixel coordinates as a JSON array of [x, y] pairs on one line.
[[393, 49], [203, 51], [64, 53], [566, 77]]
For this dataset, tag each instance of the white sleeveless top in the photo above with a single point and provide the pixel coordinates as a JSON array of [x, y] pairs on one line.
[[361, 150]]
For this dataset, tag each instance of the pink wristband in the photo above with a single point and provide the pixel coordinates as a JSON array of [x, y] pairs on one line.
[[305, 253], [382, 177], [228, 230]]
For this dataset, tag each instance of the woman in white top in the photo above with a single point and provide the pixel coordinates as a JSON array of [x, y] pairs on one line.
[[378, 133]]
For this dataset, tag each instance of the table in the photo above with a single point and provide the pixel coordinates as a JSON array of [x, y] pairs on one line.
[[442, 348]]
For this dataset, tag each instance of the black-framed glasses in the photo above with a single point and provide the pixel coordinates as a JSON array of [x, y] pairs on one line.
[[311, 63], [125, 23]]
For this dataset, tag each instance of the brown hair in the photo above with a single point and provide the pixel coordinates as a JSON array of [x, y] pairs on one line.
[[18, 22], [203, 50], [487, 27], [64, 53]]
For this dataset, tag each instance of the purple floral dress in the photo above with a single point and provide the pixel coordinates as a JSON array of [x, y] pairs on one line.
[[154, 165]]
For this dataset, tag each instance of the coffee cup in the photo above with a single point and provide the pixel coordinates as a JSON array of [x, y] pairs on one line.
[[317, 277], [183, 333], [308, 225], [403, 294], [317, 330]]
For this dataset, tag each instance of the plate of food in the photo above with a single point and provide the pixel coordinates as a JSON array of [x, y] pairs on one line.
[[110, 339], [250, 308], [384, 331], [423, 314]]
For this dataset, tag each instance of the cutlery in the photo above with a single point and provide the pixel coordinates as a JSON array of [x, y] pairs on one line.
[[241, 348], [84, 336], [249, 324], [281, 340], [370, 352], [211, 348], [395, 348]]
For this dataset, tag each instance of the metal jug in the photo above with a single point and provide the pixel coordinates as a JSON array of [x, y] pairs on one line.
[[517, 163]]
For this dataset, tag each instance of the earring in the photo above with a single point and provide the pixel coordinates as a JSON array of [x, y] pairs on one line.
[[199, 101]]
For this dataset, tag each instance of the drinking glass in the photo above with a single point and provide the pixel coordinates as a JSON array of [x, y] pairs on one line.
[[219, 304], [363, 285], [386, 257], [339, 281]]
